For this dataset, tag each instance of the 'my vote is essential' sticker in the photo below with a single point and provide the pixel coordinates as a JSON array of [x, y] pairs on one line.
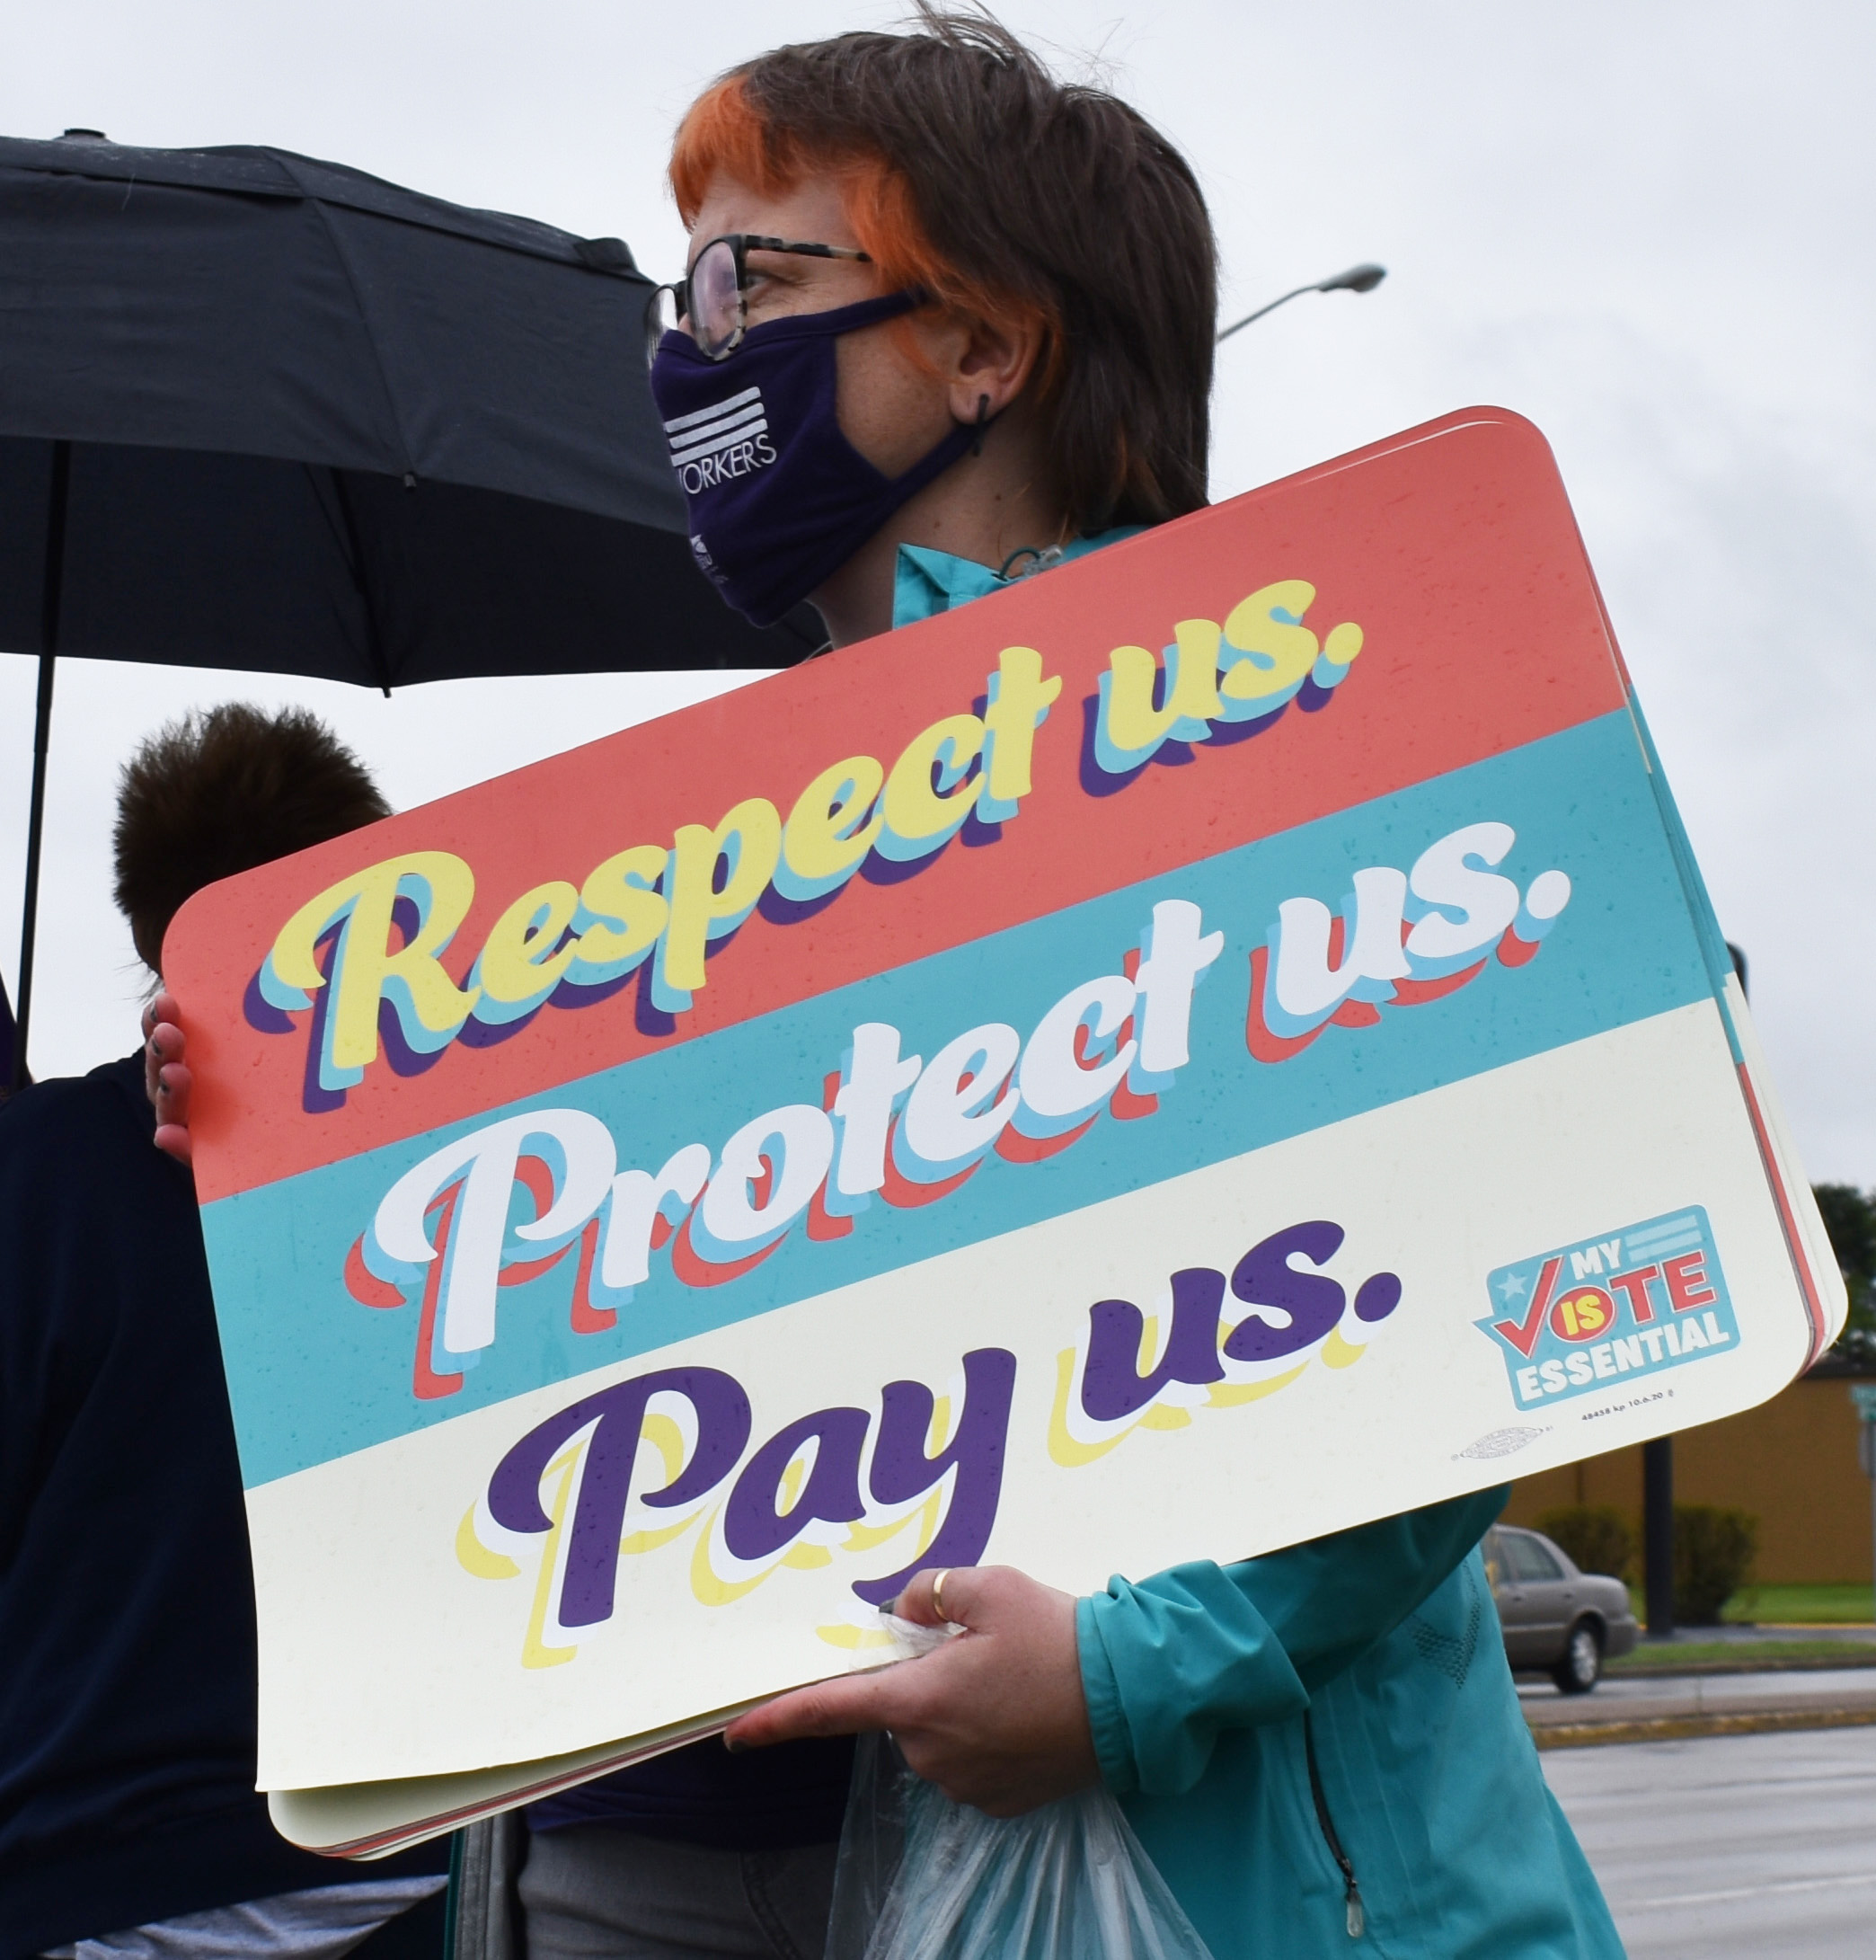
[[1647, 1297]]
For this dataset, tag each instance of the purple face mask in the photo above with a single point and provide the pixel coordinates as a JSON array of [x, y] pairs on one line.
[[779, 499]]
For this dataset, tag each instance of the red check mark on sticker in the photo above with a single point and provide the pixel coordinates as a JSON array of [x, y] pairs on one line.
[[1523, 1334]]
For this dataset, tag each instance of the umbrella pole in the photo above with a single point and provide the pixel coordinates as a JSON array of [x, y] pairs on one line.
[[51, 595]]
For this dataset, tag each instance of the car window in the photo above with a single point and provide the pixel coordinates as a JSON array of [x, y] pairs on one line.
[[1492, 1552], [1529, 1558]]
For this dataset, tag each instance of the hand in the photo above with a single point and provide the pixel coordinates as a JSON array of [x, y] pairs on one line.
[[995, 1717], [166, 1078]]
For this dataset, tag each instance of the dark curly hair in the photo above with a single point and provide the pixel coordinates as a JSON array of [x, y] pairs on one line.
[[221, 791]]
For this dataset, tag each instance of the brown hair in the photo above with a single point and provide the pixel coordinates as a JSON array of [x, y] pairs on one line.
[[220, 792], [971, 172]]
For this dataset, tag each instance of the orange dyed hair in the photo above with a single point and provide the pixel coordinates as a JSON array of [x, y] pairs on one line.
[[726, 132]]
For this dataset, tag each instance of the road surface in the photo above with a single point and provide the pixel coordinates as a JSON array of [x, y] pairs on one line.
[[1732, 1845]]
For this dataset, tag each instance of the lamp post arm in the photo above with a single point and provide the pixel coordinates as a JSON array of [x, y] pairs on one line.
[[1357, 279], [1261, 312]]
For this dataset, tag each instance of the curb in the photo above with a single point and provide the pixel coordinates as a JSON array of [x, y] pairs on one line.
[[1673, 1728]]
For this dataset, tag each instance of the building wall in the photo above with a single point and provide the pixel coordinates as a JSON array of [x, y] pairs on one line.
[[1791, 1463]]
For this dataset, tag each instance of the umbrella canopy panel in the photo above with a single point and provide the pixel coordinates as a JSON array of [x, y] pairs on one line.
[[309, 412], [254, 301]]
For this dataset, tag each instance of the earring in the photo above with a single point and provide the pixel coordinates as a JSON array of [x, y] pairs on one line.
[[977, 441]]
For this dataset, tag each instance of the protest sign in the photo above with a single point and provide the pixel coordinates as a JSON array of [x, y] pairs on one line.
[[1216, 1043]]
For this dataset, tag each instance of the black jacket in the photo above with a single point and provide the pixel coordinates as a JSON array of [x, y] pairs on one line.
[[126, 1607]]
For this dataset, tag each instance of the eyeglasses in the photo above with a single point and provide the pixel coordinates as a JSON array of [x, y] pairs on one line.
[[712, 295]]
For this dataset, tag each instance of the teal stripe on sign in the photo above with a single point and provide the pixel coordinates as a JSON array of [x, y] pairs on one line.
[[314, 1375]]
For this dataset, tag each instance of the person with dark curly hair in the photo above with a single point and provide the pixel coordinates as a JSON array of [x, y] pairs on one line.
[[129, 1825], [217, 794]]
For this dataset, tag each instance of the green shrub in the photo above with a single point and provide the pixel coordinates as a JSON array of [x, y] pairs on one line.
[[1713, 1551], [1850, 1217], [1596, 1537]]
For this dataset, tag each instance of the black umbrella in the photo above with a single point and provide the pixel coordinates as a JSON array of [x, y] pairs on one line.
[[262, 413]]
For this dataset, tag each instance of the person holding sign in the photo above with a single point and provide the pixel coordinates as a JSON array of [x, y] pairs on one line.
[[946, 322]]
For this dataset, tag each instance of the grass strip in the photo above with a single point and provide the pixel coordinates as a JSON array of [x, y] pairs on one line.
[[1743, 1657], [1789, 1606], [1777, 1605]]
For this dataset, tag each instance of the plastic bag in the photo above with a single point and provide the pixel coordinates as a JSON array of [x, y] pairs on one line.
[[920, 1877]]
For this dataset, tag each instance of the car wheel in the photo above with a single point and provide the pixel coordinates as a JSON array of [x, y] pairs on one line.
[[1580, 1668]]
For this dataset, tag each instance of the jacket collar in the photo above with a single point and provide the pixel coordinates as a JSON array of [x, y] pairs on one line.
[[927, 581]]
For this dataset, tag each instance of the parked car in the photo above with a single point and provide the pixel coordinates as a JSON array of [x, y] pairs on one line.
[[1556, 1619]]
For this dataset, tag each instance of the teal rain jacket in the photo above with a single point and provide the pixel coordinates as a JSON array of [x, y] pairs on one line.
[[1328, 1737], [1378, 1651]]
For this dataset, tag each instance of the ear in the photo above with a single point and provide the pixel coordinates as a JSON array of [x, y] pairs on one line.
[[992, 365]]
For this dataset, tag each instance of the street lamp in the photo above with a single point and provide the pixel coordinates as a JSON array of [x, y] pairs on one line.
[[1357, 279]]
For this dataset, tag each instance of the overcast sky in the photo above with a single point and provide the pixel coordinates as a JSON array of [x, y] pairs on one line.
[[1645, 225]]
